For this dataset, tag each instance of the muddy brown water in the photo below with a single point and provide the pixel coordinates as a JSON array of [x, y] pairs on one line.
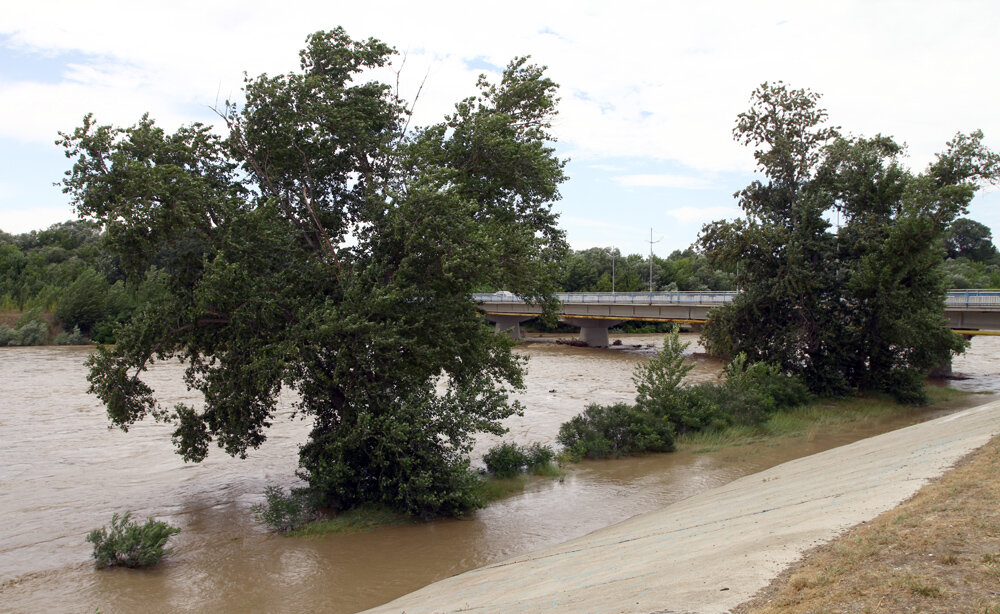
[[63, 472]]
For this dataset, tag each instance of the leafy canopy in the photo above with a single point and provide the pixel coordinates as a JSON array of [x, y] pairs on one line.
[[324, 248], [858, 306]]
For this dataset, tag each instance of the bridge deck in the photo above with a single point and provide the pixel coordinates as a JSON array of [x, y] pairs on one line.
[[970, 312]]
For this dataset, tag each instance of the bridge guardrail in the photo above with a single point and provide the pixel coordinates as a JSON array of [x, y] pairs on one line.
[[973, 298], [989, 299], [621, 298]]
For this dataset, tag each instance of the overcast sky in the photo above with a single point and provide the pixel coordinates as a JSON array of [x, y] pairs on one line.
[[650, 90]]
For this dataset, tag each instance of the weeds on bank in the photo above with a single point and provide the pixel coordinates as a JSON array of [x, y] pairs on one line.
[[812, 417], [296, 514], [358, 520]]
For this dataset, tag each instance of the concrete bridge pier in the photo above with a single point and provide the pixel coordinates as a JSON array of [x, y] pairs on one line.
[[510, 324], [593, 331]]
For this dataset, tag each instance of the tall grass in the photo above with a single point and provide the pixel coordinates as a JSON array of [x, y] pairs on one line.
[[358, 520], [804, 419]]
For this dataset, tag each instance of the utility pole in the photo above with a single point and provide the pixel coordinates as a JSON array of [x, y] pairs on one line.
[[651, 241], [611, 252]]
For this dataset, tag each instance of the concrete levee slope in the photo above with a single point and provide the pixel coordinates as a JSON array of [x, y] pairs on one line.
[[714, 550]]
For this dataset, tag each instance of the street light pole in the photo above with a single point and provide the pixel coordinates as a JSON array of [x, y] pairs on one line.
[[651, 241]]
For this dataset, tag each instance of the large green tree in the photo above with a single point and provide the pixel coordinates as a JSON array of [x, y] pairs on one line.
[[859, 306], [323, 247], [970, 239]]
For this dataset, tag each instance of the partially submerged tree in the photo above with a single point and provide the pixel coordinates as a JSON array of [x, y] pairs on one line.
[[859, 307], [323, 248]]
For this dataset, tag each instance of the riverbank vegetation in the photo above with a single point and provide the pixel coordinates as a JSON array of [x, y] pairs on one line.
[[937, 552], [752, 403], [665, 406], [300, 512], [66, 278], [815, 416]]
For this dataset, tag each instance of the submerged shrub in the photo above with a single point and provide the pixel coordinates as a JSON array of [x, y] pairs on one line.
[[505, 460], [615, 430], [393, 460], [538, 455], [283, 513], [129, 544]]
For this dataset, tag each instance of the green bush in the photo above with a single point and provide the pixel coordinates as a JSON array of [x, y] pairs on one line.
[[615, 430], [35, 332], [505, 460], [759, 388], [538, 456], [712, 406], [6, 335], [658, 381], [699, 407], [283, 513], [129, 544], [83, 302], [71, 338], [665, 406]]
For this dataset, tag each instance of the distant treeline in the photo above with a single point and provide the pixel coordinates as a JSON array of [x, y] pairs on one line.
[[590, 270], [65, 271], [971, 261]]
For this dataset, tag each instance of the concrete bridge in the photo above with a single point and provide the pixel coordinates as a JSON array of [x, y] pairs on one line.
[[969, 312]]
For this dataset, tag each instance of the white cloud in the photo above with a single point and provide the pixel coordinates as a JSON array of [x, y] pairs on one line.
[[702, 215], [663, 180], [647, 80], [608, 168], [653, 79], [18, 221], [596, 223]]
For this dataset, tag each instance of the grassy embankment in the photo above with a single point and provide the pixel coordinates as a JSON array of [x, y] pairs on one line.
[[937, 552], [822, 415], [797, 422]]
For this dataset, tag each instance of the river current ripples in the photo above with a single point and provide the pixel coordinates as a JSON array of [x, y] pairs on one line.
[[63, 472]]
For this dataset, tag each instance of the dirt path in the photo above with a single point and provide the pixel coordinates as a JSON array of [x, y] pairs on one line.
[[715, 550]]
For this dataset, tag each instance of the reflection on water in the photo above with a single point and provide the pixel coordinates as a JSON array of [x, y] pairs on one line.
[[62, 473]]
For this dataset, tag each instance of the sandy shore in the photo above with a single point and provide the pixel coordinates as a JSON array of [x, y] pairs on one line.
[[714, 550]]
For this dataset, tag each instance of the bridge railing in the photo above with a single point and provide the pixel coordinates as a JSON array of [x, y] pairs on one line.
[[987, 299], [647, 298], [621, 298], [974, 298]]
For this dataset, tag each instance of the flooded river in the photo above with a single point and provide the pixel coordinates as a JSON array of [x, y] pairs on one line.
[[63, 472]]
